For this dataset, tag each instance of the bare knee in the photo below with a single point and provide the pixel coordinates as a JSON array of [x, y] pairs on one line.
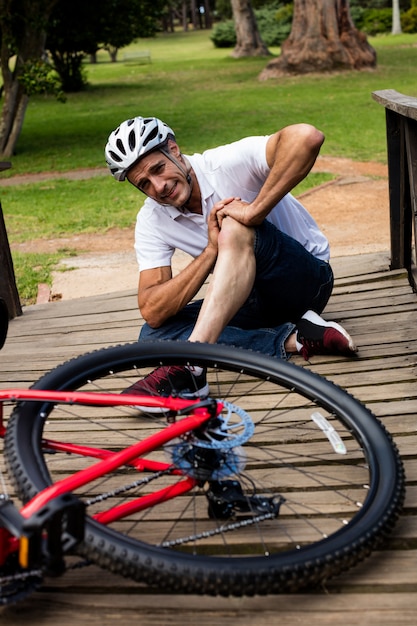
[[233, 234]]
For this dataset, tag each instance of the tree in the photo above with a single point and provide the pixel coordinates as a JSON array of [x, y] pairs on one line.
[[123, 21], [323, 38], [80, 28], [22, 34], [248, 39], [396, 20]]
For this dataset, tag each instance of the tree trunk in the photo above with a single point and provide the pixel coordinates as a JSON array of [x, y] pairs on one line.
[[396, 18], [30, 46], [184, 16], [112, 50], [323, 38], [248, 39], [208, 22], [194, 15], [16, 118]]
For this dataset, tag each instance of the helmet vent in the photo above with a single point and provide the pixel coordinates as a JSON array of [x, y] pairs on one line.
[[151, 136], [115, 156], [119, 144], [132, 140]]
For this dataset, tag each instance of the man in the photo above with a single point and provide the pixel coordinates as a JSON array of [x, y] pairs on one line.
[[232, 210]]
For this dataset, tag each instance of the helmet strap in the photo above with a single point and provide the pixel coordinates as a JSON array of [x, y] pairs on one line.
[[185, 172]]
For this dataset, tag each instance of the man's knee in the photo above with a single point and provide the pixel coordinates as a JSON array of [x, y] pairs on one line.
[[234, 234]]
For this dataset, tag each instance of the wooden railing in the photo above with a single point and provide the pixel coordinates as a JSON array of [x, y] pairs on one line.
[[401, 128]]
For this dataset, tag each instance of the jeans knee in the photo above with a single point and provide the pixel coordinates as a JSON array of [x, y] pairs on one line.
[[323, 296]]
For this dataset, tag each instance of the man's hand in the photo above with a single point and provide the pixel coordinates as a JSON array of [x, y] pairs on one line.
[[232, 207]]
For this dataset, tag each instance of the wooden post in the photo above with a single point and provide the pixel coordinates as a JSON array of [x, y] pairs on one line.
[[396, 195], [411, 151], [8, 288], [401, 127]]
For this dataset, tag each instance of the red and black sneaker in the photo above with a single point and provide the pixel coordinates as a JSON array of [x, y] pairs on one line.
[[316, 336], [173, 380]]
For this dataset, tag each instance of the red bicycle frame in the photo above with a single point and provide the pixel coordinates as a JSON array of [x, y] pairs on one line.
[[195, 414]]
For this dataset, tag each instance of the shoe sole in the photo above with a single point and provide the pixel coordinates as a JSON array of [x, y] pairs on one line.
[[313, 317]]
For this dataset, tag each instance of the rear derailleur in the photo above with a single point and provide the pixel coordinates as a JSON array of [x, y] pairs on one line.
[[226, 499]]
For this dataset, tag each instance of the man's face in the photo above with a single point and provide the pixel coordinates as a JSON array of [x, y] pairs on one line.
[[161, 179]]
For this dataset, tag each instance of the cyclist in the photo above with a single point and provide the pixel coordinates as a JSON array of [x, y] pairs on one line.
[[231, 209]]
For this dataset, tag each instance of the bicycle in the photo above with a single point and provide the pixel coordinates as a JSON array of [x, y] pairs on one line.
[[277, 481]]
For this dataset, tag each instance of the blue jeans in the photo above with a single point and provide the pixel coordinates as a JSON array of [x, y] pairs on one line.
[[289, 281]]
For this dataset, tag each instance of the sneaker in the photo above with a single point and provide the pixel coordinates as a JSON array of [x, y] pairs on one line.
[[316, 336], [170, 380]]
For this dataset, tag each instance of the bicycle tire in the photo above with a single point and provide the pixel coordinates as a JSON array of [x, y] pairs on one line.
[[322, 486]]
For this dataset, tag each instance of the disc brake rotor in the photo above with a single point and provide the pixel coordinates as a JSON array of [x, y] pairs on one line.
[[214, 451]]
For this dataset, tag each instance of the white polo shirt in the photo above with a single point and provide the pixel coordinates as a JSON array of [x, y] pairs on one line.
[[237, 169]]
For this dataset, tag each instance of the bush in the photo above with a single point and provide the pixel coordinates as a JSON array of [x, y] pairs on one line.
[[224, 35], [356, 13], [409, 21], [274, 24], [373, 21]]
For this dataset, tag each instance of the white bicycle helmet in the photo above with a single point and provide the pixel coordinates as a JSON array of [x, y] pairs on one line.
[[132, 140]]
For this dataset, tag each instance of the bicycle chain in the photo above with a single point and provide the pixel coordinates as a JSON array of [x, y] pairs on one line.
[[217, 531], [15, 587], [183, 540], [119, 490], [35, 576], [20, 576]]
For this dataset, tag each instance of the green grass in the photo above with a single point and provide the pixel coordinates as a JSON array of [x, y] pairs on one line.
[[32, 269], [60, 208], [208, 98]]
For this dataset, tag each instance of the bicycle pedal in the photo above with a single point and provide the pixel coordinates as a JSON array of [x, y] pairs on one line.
[[51, 532]]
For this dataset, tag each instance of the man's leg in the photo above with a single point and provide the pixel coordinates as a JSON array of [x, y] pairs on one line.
[[278, 341], [231, 283], [293, 285], [289, 279], [288, 282], [285, 280]]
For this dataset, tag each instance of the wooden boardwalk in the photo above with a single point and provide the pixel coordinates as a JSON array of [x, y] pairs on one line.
[[379, 309]]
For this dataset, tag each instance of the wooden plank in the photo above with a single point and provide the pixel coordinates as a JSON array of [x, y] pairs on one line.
[[159, 609], [380, 310], [360, 264]]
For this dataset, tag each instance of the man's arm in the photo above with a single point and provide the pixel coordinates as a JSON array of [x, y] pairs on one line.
[[160, 295], [290, 154]]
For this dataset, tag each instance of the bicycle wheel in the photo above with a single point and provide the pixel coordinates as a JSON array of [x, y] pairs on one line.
[[309, 489]]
